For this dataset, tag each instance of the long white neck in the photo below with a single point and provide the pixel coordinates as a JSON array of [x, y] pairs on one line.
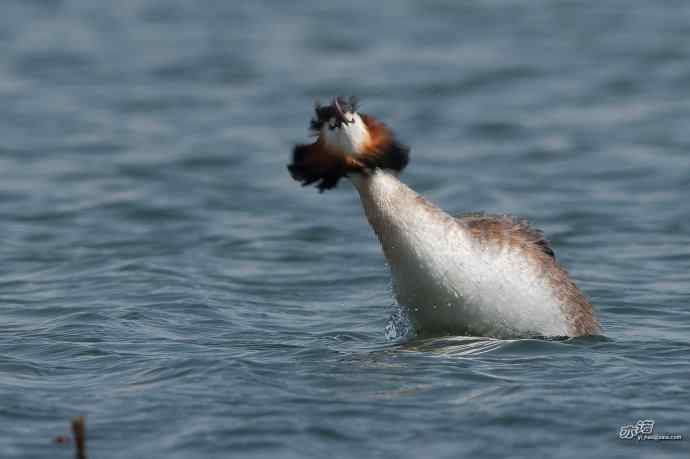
[[392, 207]]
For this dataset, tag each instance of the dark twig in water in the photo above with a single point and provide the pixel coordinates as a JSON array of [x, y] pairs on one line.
[[79, 430]]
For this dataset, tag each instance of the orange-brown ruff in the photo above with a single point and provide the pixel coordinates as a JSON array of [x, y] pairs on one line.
[[476, 274], [325, 163]]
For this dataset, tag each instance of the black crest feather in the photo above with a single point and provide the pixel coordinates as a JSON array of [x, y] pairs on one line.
[[323, 113]]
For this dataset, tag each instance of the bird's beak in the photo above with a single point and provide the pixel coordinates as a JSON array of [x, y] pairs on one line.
[[339, 114]]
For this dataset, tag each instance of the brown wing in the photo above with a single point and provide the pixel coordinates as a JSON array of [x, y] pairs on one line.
[[507, 230]]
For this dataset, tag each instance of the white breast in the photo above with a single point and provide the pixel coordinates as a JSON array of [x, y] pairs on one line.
[[449, 281]]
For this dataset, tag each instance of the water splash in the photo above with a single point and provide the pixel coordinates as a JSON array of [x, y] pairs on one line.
[[399, 326]]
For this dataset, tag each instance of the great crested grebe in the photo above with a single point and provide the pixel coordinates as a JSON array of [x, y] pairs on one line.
[[478, 274]]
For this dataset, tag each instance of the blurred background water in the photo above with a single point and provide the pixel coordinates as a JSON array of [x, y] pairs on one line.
[[162, 274]]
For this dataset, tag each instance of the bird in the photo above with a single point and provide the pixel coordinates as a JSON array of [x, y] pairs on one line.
[[476, 274]]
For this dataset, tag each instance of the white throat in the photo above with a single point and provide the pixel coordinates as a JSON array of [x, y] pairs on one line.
[[350, 138]]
